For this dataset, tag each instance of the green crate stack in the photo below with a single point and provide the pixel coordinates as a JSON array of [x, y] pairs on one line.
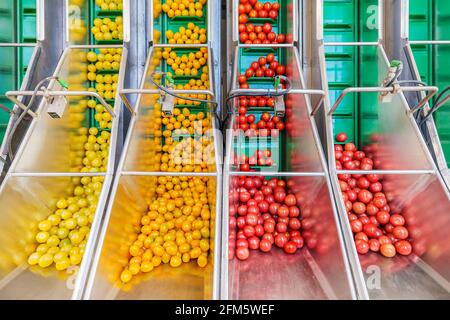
[[348, 66], [94, 13], [278, 25], [251, 145], [430, 20], [18, 24], [278, 145], [163, 23]]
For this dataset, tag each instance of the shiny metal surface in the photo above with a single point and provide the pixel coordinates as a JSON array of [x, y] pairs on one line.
[[42, 64], [130, 201], [321, 272], [46, 147], [430, 126], [425, 274], [412, 181], [316, 273], [25, 201], [138, 169]]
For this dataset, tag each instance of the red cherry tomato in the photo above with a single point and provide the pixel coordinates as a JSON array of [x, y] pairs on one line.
[[400, 232], [274, 65], [253, 243], [359, 207], [265, 245], [243, 37], [255, 65], [403, 247], [242, 78], [341, 137], [281, 70], [365, 196], [298, 240], [262, 61], [290, 247], [362, 247], [372, 230], [267, 28], [397, 220], [242, 243], [281, 227], [294, 212], [384, 240], [259, 73], [294, 224], [290, 200], [269, 73], [281, 240], [262, 14], [243, 18], [273, 15], [374, 245], [262, 102], [388, 250], [276, 6], [242, 28], [281, 38], [361, 236], [242, 253], [356, 226], [265, 116], [383, 217]]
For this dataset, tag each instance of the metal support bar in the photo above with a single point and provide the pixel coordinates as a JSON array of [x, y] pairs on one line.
[[17, 44], [330, 44], [321, 93], [12, 95], [430, 42], [123, 95], [168, 173], [391, 89]]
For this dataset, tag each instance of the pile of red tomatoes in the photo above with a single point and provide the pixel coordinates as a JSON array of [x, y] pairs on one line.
[[266, 126], [264, 214], [259, 34], [261, 158], [375, 226], [265, 67]]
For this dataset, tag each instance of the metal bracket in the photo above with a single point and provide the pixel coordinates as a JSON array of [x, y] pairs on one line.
[[279, 107], [432, 91], [12, 96], [168, 101]]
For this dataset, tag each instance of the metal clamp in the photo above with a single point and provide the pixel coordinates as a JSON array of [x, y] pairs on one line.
[[12, 95], [432, 91]]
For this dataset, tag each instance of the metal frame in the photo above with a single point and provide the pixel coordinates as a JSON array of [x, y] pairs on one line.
[[40, 36], [123, 94], [234, 26], [347, 233], [84, 267], [122, 173], [126, 24], [431, 128], [233, 48]]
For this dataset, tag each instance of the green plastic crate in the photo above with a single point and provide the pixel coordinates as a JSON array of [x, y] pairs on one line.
[[279, 25], [163, 23], [96, 12], [347, 66], [18, 24], [248, 55]]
